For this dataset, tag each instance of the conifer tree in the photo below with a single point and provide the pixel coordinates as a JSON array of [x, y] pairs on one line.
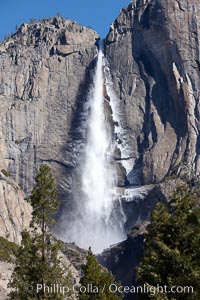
[[172, 248], [96, 276], [38, 265]]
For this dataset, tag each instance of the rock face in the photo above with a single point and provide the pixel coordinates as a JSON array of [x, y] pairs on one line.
[[6, 270], [15, 212], [122, 260], [153, 52], [44, 78], [15, 216], [44, 75]]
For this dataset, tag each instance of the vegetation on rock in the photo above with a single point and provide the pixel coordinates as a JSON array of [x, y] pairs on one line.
[[8, 250], [172, 248], [38, 266], [96, 277], [5, 173]]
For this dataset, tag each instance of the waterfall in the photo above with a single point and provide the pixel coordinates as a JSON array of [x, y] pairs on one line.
[[99, 175], [96, 220]]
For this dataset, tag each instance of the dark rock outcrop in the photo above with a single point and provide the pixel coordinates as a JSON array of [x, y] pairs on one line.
[[153, 52], [122, 260], [75, 255]]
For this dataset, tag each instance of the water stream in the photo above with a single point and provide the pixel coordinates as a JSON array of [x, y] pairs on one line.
[[96, 221], [99, 174]]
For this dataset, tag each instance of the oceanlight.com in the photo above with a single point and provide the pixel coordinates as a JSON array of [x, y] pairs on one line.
[[113, 288]]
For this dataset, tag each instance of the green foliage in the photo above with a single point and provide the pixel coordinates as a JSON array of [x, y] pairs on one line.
[[96, 276], [172, 247], [6, 173], [38, 261], [44, 199], [25, 272], [8, 250]]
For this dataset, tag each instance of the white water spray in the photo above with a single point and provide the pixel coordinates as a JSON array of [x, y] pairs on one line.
[[98, 179], [94, 221]]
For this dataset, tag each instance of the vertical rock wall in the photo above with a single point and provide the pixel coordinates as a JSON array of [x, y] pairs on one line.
[[44, 77], [15, 212], [153, 52]]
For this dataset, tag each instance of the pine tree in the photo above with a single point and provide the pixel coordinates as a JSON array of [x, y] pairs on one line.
[[96, 276], [25, 270], [38, 264], [172, 247]]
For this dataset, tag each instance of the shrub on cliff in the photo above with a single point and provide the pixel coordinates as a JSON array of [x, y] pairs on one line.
[[172, 248], [8, 250]]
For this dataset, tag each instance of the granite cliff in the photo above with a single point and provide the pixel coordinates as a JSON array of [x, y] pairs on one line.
[[44, 71], [153, 52]]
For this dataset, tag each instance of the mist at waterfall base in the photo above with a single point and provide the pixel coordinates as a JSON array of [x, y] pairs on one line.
[[96, 223]]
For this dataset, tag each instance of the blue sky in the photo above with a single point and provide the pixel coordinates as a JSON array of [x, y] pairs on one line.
[[97, 14]]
